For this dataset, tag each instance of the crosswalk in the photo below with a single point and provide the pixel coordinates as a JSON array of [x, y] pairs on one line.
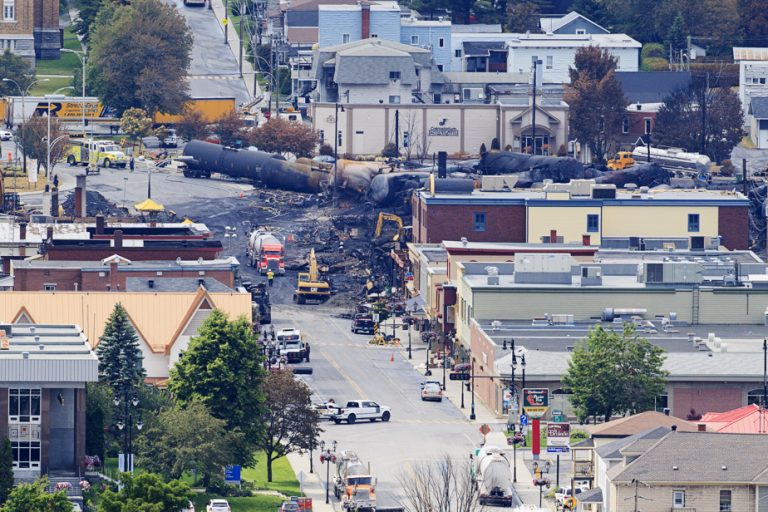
[[213, 77]]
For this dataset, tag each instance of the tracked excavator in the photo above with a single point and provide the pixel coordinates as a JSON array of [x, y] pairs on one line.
[[311, 289]]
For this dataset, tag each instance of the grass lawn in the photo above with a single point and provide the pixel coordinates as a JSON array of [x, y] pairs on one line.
[[259, 503], [68, 61], [54, 83], [283, 478]]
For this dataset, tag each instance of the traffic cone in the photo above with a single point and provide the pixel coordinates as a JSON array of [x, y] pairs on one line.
[[392, 357], [242, 195]]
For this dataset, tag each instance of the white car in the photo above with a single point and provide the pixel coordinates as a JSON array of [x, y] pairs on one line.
[[564, 492], [432, 391], [171, 140], [218, 505], [362, 410], [5, 135]]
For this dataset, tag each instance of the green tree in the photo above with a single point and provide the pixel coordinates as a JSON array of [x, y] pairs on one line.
[[231, 129], [279, 135], [192, 125], [33, 138], [675, 37], [596, 99], [135, 123], [145, 492], [223, 367], [139, 56], [120, 357], [188, 439], [614, 373], [6, 468], [290, 422], [98, 415], [34, 497], [15, 68], [754, 21], [523, 17]]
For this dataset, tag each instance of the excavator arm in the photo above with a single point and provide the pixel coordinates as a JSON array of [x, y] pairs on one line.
[[389, 217]]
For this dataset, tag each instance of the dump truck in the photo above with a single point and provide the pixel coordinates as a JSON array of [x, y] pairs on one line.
[[353, 484], [622, 160], [265, 252], [494, 477]]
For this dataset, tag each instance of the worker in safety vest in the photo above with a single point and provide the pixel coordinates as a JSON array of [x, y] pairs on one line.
[[270, 277]]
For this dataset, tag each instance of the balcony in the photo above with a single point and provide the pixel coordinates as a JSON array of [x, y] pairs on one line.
[[583, 469]]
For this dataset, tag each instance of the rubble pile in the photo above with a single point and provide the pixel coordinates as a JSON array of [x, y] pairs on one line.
[[96, 204]]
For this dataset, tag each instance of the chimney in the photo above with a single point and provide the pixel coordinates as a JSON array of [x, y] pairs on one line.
[[113, 276], [365, 19], [553, 236], [55, 202], [585, 240], [442, 164], [702, 427], [118, 237], [22, 230], [99, 224], [80, 206]]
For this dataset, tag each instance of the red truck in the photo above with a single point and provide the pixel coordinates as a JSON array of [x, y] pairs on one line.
[[266, 252]]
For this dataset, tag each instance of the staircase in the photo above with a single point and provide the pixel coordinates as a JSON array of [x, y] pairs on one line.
[[75, 494]]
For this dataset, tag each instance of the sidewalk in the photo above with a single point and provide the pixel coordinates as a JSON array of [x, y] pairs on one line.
[[233, 41], [312, 484]]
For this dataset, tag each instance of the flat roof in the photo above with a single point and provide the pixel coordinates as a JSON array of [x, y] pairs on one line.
[[45, 353], [126, 265], [551, 40], [510, 247]]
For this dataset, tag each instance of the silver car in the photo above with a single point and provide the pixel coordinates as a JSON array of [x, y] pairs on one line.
[[432, 391]]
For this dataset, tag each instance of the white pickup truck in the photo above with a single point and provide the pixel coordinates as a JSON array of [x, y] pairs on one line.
[[362, 410]]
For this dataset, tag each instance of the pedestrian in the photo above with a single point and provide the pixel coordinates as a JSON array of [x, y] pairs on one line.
[[132, 163], [56, 180], [270, 277], [307, 351]]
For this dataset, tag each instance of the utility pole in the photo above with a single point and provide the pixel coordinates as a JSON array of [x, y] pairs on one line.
[[536, 63], [397, 132], [637, 483], [226, 21], [704, 116], [688, 41], [241, 39]]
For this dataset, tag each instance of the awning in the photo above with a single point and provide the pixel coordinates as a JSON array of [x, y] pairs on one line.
[[148, 205]]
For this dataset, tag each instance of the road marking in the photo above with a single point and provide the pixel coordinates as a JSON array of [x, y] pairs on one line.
[[352, 383], [213, 77]]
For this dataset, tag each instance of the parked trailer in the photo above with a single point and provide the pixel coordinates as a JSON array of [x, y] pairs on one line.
[[674, 158], [494, 477], [210, 109], [68, 110]]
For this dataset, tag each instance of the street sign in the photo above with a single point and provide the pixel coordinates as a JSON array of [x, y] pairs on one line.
[[558, 437], [536, 402], [232, 474], [523, 420], [484, 429]]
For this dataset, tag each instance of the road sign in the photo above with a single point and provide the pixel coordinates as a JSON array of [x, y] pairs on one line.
[[225, 21], [558, 437], [536, 401], [523, 420], [232, 474], [484, 429]]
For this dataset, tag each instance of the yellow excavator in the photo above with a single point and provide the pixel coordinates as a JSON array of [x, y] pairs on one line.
[[310, 288], [398, 237]]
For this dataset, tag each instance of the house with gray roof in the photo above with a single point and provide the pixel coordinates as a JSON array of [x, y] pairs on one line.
[[571, 23], [690, 471], [757, 117], [375, 71]]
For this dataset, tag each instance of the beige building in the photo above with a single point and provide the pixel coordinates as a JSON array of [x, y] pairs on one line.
[[164, 322], [364, 129]]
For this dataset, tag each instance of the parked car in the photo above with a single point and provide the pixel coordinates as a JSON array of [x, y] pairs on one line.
[[432, 391], [362, 410], [5, 135], [326, 410], [189, 508], [289, 506], [564, 492], [171, 140], [218, 505], [151, 142]]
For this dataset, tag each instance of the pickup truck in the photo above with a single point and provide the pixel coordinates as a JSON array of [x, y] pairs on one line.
[[290, 346], [362, 410]]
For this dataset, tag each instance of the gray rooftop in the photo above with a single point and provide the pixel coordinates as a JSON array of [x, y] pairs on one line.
[[700, 457], [46, 354], [175, 284], [127, 265], [758, 107], [613, 450]]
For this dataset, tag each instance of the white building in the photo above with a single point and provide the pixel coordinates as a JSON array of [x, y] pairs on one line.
[[514, 53], [753, 83]]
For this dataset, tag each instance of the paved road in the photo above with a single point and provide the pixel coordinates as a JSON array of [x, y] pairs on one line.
[[346, 367]]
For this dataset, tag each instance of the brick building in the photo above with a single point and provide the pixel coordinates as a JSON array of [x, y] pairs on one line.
[[120, 274], [48, 36], [18, 28], [583, 212]]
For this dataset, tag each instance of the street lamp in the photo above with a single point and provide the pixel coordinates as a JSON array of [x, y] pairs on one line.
[[536, 63], [50, 97], [472, 380], [82, 56], [230, 233], [409, 322], [428, 372], [539, 480], [23, 124], [327, 456], [126, 422]]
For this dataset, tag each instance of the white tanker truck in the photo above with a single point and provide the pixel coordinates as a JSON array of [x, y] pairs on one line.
[[494, 477]]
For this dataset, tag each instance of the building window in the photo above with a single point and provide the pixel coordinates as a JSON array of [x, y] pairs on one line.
[[581, 32], [23, 405], [441, 42], [725, 501], [678, 499], [9, 10], [693, 223], [647, 125], [344, 38], [550, 61], [414, 39], [321, 133], [374, 36], [394, 100], [593, 223], [49, 287], [661, 402], [479, 221], [625, 125], [394, 75], [440, 67], [755, 397], [437, 98], [457, 53]]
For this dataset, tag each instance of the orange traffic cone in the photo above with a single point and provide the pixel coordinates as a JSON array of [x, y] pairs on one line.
[[392, 357], [242, 195]]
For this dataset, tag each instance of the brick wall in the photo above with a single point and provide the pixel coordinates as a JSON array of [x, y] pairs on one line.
[[33, 279], [705, 398], [437, 223], [46, 29], [29, 279], [132, 253], [733, 226]]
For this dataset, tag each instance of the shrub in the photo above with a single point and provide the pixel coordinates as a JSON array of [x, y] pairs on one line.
[[561, 151], [326, 150], [653, 50], [655, 64], [389, 151]]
